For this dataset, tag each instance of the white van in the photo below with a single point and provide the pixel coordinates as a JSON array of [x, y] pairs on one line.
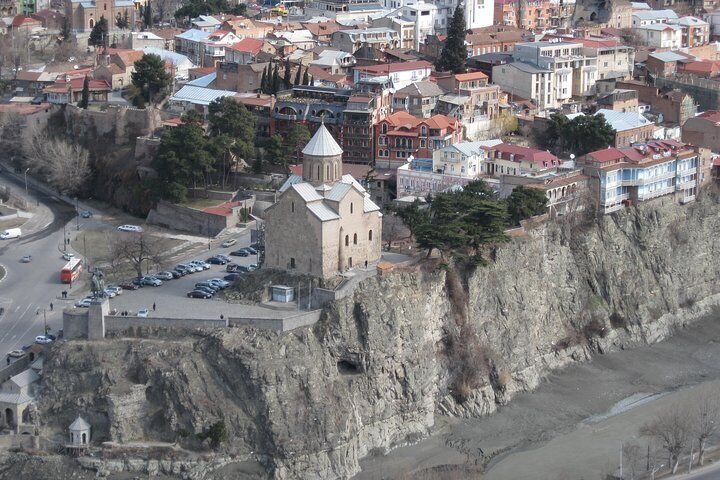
[[10, 233]]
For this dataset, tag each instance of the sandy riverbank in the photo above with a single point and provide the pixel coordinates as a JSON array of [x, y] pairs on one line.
[[572, 426]]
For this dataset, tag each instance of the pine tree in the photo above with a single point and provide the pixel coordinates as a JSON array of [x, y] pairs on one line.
[[286, 77], [66, 30], [99, 33], [454, 52], [298, 76], [306, 77], [276, 80], [85, 99], [263, 80], [147, 15]]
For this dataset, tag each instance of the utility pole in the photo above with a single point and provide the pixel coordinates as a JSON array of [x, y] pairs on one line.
[[26, 188], [692, 444], [621, 459], [77, 215], [45, 321]]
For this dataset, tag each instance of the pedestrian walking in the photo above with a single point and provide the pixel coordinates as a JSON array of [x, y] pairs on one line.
[[221, 317], [51, 306], [208, 246], [154, 307]]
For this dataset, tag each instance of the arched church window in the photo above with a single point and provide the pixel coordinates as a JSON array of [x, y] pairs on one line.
[[354, 238], [347, 240], [370, 235]]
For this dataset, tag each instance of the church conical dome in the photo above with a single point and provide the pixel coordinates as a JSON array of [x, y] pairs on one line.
[[322, 144]]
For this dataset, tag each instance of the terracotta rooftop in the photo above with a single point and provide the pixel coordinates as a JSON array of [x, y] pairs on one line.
[[224, 209], [248, 45]]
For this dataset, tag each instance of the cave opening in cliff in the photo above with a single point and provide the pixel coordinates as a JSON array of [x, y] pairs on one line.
[[346, 367]]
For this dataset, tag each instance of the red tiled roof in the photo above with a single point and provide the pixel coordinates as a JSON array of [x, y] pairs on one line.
[[76, 85], [707, 67], [711, 116], [248, 45], [464, 77], [607, 155], [640, 153], [224, 209], [394, 67], [716, 161], [540, 157], [20, 20]]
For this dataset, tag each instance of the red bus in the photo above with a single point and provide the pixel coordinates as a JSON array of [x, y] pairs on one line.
[[71, 270]]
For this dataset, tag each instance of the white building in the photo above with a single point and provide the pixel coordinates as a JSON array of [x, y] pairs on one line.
[[528, 81], [660, 35], [401, 74], [181, 64], [652, 17]]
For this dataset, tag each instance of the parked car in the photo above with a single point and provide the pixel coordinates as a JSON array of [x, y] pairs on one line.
[[251, 251], [252, 267], [223, 256], [110, 293], [220, 281], [176, 273], [10, 233], [86, 214], [16, 353], [184, 268], [255, 245], [229, 243], [130, 228], [199, 294], [68, 256], [144, 312], [216, 261], [114, 288], [84, 303], [231, 277], [209, 290], [129, 286], [43, 340], [26, 259], [240, 253], [230, 267], [138, 282], [242, 269], [151, 281], [208, 285], [201, 264], [164, 275]]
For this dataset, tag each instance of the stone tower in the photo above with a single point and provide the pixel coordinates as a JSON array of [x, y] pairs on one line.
[[322, 159]]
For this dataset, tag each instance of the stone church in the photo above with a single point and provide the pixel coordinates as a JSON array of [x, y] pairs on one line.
[[324, 222], [84, 14]]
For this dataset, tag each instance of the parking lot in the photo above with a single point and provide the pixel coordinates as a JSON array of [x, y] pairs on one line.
[[171, 299]]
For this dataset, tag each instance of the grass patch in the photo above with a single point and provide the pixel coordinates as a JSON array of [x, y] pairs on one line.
[[12, 223], [200, 203]]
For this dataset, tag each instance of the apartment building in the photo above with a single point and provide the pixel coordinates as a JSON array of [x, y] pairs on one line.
[[215, 45], [401, 74], [508, 159], [191, 43], [614, 59], [641, 173], [659, 35], [695, 32], [401, 137], [381, 38], [644, 18], [418, 98], [523, 80]]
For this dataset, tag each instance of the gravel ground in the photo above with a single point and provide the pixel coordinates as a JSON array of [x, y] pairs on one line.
[[571, 427]]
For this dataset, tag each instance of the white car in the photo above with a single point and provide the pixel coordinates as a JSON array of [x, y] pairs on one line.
[[43, 340], [68, 256], [110, 293], [84, 303], [143, 313], [200, 264], [114, 288], [130, 228]]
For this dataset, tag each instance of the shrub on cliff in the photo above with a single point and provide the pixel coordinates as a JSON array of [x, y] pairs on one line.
[[526, 202], [217, 433]]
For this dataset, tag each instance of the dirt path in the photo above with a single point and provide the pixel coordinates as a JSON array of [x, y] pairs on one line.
[[571, 427]]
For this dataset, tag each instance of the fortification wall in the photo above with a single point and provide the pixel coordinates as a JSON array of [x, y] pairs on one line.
[[187, 219]]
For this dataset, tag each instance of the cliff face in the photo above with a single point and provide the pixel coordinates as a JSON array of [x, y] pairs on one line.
[[374, 372]]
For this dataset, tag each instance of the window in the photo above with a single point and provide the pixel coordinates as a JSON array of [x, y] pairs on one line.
[[354, 238], [370, 235], [351, 207], [318, 172], [292, 262], [347, 240], [327, 171], [292, 207]]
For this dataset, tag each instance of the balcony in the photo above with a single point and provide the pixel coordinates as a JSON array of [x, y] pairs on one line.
[[655, 178], [687, 199], [616, 199], [686, 185], [657, 193], [689, 171]]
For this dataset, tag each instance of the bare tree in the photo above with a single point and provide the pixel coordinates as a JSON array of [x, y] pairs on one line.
[[136, 249], [672, 427], [632, 458], [394, 229], [62, 164], [705, 413]]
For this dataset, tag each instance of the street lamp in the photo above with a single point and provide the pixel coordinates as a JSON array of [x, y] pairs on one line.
[[77, 214], [26, 189]]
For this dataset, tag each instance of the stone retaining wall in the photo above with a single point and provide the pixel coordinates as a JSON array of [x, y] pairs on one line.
[[115, 323], [278, 324]]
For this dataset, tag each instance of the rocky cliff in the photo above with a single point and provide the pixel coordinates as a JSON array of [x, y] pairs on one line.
[[379, 366]]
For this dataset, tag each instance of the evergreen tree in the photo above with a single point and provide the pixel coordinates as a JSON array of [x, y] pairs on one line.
[[306, 77], [99, 34], [66, 31], [298, 76], [276, 80], [454, 52], [85, 99], [264, 80], [526, 202], [147, 15], [150, 78], [287, 75]]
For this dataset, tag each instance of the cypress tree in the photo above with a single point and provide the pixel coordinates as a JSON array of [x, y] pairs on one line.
[[85, 99], [306, 77], [275, 80], [147, 15], [263, 80], [286, 77], [454, 52], [298, 76]]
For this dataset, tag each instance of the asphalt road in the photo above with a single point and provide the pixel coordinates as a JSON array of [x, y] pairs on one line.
[[28, 288]]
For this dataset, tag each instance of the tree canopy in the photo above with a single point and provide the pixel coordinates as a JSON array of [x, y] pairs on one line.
[[99, 34], [150, 79], [582, 134], [195, 8], [454, 52], [526, 202]]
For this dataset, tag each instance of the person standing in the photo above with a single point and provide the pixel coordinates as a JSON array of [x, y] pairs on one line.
[[51, 306], [154, 306]]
